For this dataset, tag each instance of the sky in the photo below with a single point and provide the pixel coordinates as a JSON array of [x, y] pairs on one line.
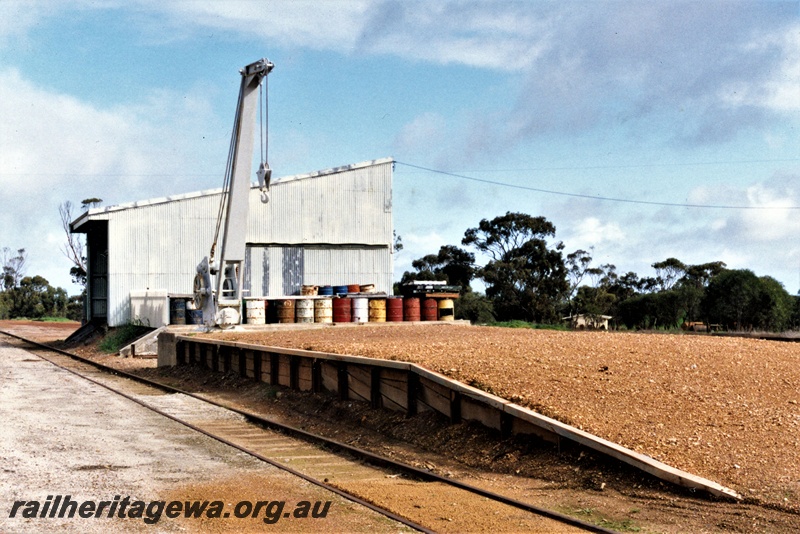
[[641, 130]]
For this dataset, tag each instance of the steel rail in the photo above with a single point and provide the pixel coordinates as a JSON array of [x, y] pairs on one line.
[[317, 439], [307, 478]]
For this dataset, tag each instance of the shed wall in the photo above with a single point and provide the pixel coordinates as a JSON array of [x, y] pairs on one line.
[[335, 228], [282, 270], [348, 207]]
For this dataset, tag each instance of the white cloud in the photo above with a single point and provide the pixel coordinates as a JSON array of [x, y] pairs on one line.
[[703, 195], [416, 245], [766, 214], [429, 242], [763, 240], [503, 36], [780, 91], [311, 24], [603, 64], [634, 237], [331, 24], [778, 222], [719, 224], [424, 131], [47, 136], [17, 18], [20, 18], [55, 147], [48, 139], [591, 232]]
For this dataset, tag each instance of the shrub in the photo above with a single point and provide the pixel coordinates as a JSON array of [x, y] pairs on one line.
[[475, 307], [118, 337], [525, 324]]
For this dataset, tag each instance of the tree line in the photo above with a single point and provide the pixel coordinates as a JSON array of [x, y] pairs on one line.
[[32, 297], [530, 277]]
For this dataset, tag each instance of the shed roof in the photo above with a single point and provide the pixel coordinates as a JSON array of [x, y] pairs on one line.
[[102, 213]]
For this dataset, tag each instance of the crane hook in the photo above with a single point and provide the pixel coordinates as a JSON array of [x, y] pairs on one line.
[[264, 176]]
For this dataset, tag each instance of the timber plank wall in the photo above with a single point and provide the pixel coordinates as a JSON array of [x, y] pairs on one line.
[[405, 387]]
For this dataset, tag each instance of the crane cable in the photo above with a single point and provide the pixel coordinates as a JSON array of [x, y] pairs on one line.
[[264, 116], [226, 183], [264, 172]]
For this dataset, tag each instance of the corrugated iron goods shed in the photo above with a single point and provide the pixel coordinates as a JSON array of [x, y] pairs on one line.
[[326, 227]]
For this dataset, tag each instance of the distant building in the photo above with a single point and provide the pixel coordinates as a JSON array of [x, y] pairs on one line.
[[327, 227], [586, 321]]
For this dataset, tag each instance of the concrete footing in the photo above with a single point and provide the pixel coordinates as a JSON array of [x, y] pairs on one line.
[[145, 346]]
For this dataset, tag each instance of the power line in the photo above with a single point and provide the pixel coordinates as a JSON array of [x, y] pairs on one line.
[[594, 197], [634, 165]]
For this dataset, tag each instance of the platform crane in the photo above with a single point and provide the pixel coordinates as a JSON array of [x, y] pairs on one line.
[[221, 303]]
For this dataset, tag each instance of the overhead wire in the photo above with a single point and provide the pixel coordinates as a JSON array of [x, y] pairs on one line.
[[636, 165], [594, 197], [519, 169]]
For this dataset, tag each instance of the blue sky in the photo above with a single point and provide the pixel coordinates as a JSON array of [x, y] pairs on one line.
[[687, 103]]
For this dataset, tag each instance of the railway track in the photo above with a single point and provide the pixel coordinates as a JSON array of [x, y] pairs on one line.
[[389, 487]]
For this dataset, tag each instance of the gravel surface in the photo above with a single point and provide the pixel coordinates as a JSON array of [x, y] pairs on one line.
[[42, 331], [722, 408], [567, 480], [62, 435]]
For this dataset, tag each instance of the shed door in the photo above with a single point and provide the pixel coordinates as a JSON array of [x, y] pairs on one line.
[[273, 270], [97, 241], [292, 268]]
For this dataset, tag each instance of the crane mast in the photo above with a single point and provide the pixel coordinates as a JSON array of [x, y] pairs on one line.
[[221, 303]]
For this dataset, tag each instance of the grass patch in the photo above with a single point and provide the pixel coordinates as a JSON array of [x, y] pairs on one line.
[[42, 319], [626, 525], [593, 516], [121, 336], [525, 324]]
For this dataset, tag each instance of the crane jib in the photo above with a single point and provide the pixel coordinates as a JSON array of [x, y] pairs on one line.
[[223, 308], [261, 66]]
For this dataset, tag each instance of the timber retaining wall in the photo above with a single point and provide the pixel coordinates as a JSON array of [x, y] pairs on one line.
[[401, 386]]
